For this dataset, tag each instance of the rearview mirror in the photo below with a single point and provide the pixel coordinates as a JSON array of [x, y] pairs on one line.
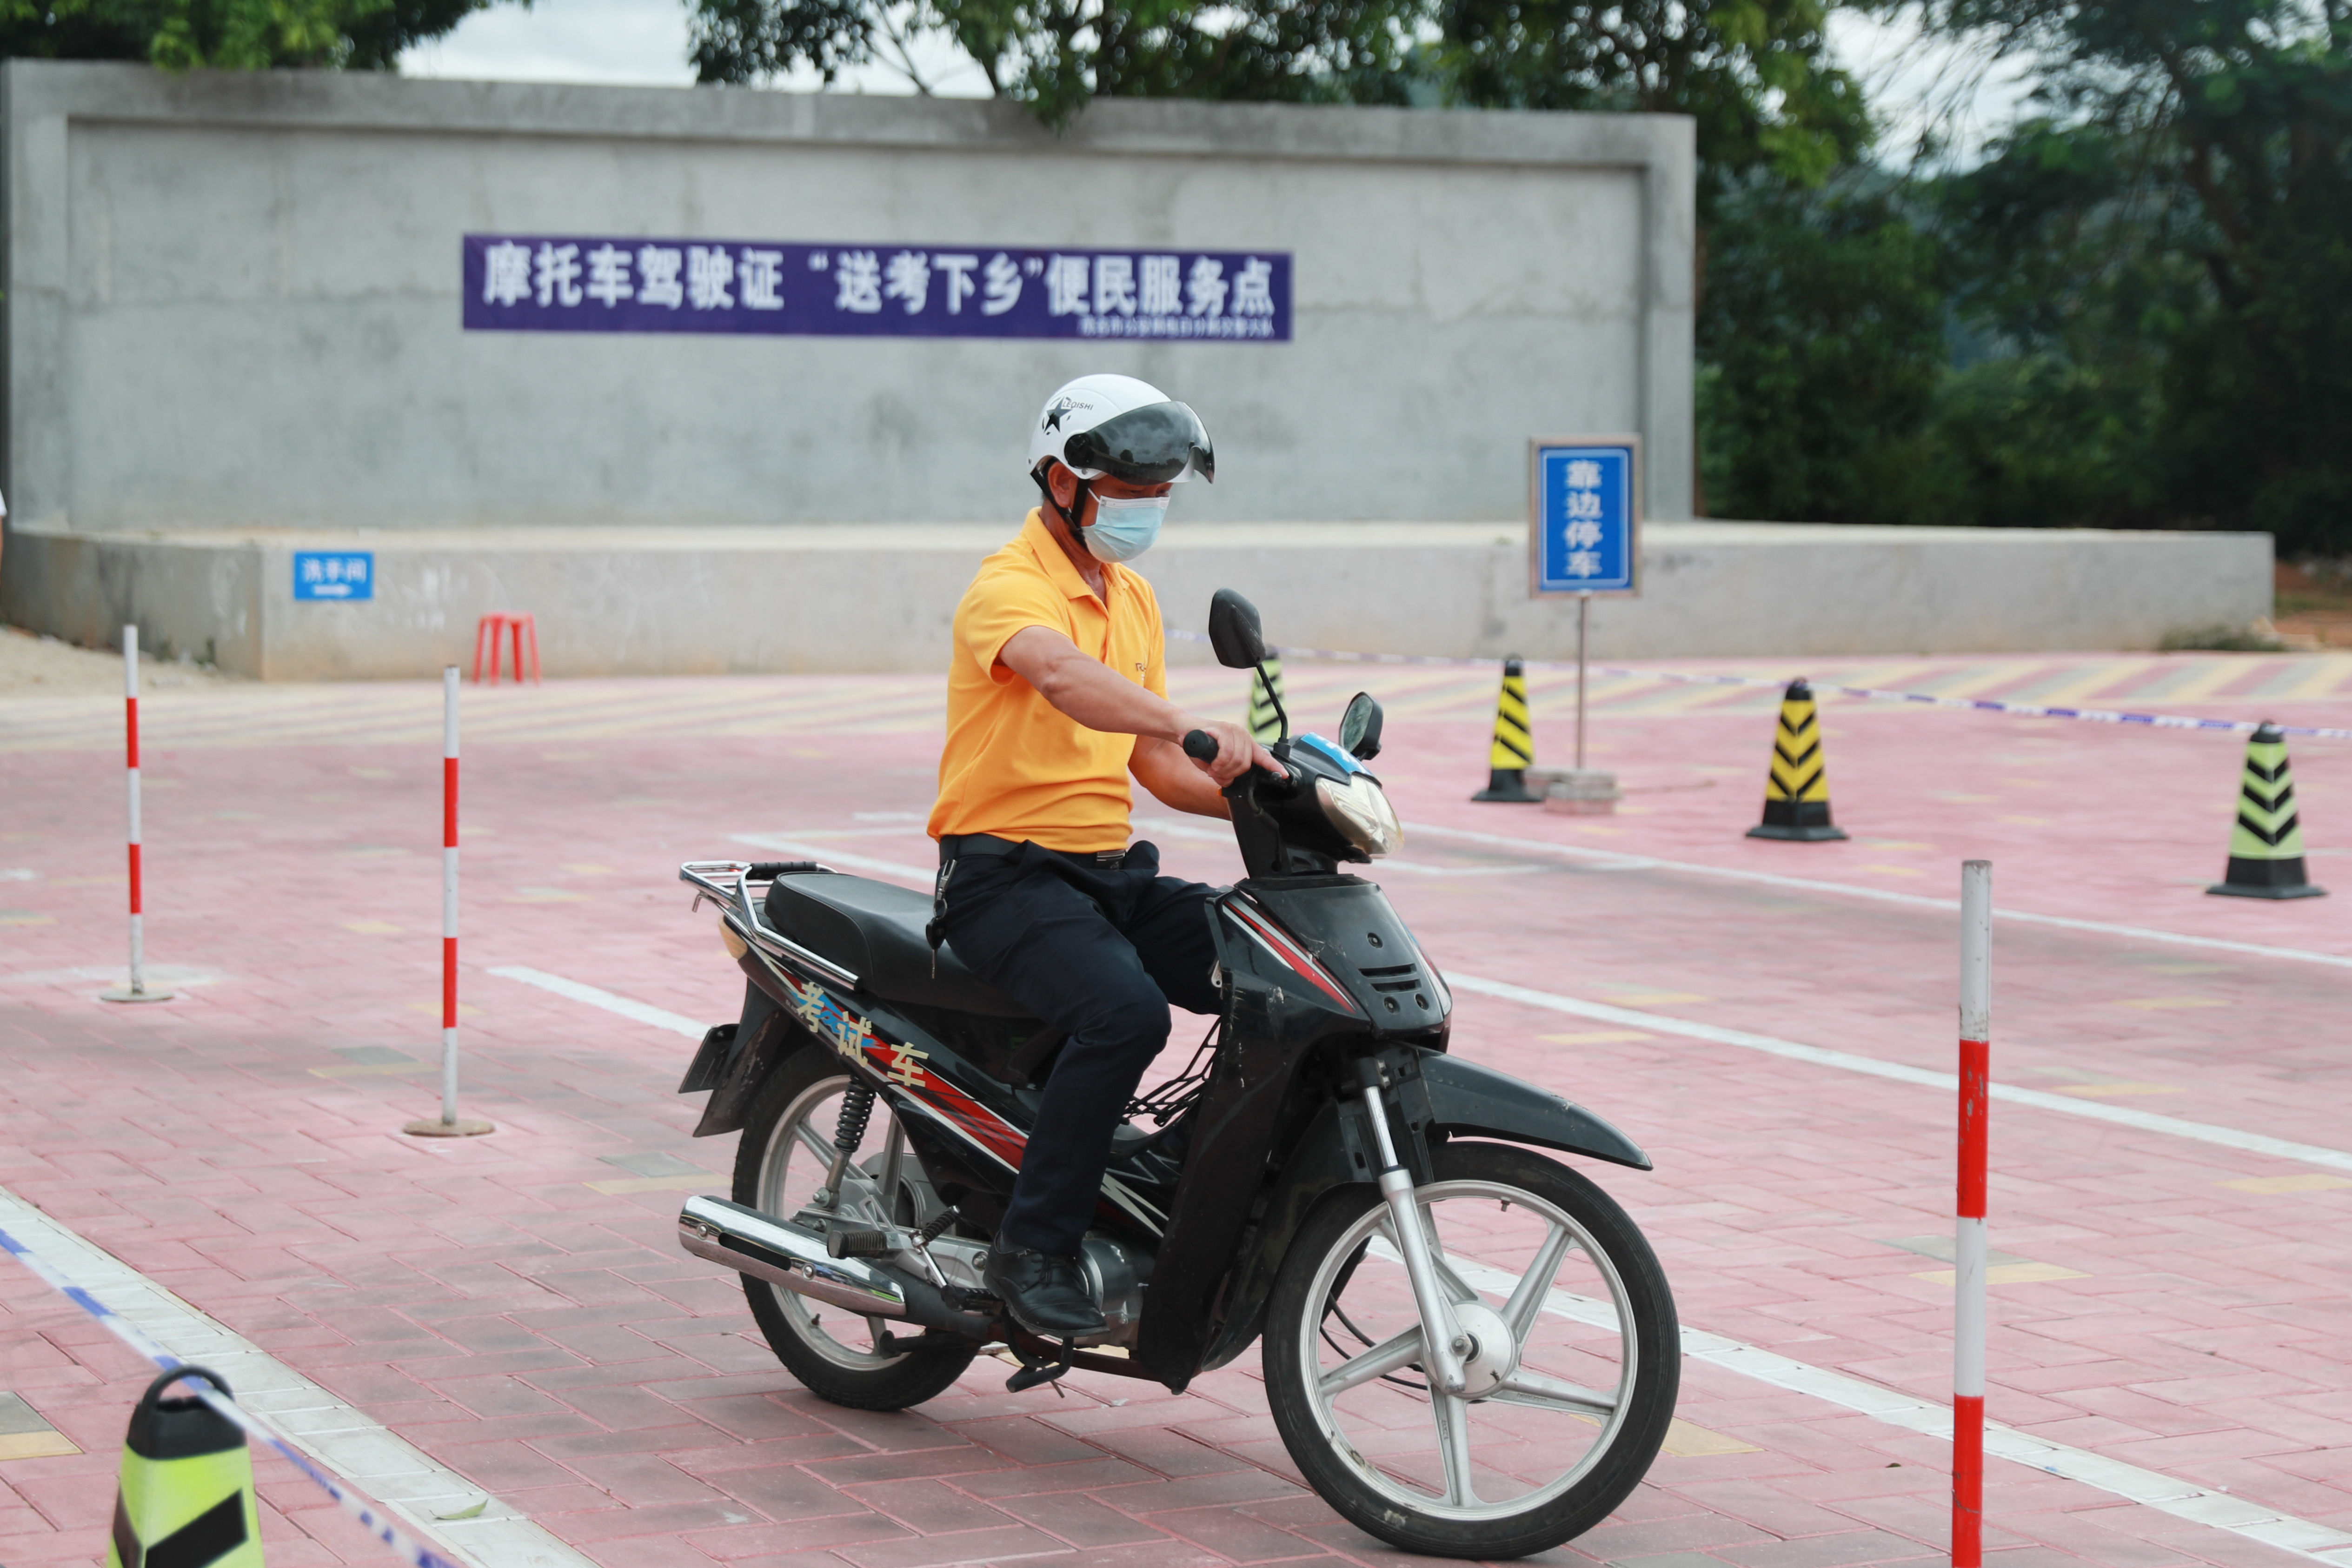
[[1234, 631], [1359, 727]]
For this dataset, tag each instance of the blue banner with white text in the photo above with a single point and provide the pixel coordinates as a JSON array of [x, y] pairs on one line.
[[571, 283]]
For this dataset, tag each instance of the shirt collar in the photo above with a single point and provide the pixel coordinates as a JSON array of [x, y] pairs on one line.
[[1057, 562]]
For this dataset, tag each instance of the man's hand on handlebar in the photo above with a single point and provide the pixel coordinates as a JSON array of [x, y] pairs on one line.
[[1235, 751]]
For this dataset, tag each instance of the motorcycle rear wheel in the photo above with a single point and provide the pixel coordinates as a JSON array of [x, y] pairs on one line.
[[1568, 1415], [779, 1164]]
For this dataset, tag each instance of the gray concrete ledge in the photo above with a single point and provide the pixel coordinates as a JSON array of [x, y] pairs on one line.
[[879, 596], [102, 92]]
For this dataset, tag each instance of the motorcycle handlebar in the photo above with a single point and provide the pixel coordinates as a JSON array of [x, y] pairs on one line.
[[1202, 746]]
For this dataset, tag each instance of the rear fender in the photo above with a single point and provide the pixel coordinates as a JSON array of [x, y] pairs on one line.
[[735, 1068]]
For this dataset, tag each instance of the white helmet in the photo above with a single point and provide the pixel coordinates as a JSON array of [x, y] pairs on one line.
[[1127, 429]]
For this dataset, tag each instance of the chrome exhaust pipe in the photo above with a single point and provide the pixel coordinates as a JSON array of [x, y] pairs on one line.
[[789, 1257]]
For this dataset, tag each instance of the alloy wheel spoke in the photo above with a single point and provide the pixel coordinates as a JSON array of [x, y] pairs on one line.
[[815, 1143], [1453, 1446], [1527, 1299], [1533, 1388], [1398, 1351]]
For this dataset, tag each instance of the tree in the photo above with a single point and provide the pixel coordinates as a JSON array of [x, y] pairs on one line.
[[1754, 74], [1822, 348], [235, 34], [1055, 56], [2195, 187]]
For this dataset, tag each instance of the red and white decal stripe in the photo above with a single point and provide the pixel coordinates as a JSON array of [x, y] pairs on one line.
[[1294, 957]]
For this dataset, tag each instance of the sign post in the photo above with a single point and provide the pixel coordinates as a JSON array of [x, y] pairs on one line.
[[1584, 520]]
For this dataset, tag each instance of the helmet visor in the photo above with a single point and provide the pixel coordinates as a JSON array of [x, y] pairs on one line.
[[1149, 446]]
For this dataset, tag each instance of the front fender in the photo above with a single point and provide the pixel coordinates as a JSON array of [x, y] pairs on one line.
[[1469, 1100]]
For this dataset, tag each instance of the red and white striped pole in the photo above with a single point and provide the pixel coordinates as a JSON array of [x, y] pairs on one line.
[[449, 1125], [1969, 1238], [136, 990]]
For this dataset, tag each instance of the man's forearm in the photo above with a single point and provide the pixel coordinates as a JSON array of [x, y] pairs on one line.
[[1090, 693]]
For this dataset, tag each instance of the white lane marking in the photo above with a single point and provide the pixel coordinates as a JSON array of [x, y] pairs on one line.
[[643, 1012], [920, 876], [1613, 860], [339, 1437], [2183, 1499], [1818, 1055]]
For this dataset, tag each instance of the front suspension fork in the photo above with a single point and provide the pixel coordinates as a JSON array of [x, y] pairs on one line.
[[1442, 1337]]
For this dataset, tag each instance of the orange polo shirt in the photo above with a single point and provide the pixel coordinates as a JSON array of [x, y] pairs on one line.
[[1015, 766]]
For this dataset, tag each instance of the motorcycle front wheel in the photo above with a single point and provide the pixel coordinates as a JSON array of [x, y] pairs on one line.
[[1575, 1358], [779, 1167]]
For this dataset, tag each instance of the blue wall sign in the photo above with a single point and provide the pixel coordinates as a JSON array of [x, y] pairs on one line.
[[334, 575], [580, 283], [1586, 515]]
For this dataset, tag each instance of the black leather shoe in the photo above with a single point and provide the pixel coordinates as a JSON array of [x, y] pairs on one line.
[[1046, 1295]]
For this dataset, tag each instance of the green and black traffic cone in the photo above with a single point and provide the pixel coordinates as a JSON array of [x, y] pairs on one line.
[[1514, 751], [1797, 787], [2266, 845], [1264, 717], [186, 1494]]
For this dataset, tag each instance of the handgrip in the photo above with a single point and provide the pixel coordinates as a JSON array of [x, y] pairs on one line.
[[1202, 746]]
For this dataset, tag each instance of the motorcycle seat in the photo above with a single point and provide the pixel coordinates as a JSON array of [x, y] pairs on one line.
[[875, 930]]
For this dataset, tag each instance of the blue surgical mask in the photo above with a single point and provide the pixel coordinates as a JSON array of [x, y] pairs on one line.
[[1123, 529]]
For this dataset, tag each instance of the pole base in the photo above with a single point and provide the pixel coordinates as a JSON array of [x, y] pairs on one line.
[[124, 993], [1795, 835], [433, 1127]]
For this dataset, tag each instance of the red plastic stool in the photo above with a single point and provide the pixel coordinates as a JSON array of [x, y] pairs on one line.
[[487, 633]]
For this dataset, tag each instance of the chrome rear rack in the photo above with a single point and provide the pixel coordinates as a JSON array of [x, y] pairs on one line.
[[728, 884]]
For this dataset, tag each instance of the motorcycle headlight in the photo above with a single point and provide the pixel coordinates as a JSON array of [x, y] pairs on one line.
[[1361, 813]]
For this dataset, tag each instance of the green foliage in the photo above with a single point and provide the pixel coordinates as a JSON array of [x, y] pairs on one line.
[[1054, 56], [233, 35], [1823, 338], [2186, 224], [1754, 74]]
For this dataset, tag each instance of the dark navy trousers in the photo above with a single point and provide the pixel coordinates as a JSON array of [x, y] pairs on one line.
[[1100, 953]]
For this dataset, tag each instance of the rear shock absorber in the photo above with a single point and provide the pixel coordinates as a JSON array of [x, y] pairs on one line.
[[849, 1132]]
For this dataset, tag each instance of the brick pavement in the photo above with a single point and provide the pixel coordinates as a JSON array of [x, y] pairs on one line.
[[512, 1307]]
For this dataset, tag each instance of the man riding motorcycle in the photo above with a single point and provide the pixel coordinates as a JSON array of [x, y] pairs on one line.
[[1057, 695]]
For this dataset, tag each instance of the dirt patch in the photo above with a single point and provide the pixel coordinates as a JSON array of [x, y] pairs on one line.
[[35, 666], [2315, 600]]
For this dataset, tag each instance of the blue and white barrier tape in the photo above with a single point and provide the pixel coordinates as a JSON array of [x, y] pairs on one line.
[[1925, 700], [412, 1551]]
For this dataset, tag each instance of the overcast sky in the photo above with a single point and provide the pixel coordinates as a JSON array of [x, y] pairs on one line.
[[643, 43]]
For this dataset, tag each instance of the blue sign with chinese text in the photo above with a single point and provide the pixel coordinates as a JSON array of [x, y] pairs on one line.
[[334, 575], [1584, 519], [571, 283]]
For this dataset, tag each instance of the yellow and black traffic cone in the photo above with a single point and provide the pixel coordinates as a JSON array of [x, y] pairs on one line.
[[2266, 846], [187, 1496], [1796, 789], [1265, 714], [1514, 751]]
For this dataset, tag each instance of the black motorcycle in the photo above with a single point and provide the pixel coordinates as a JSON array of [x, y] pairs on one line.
[[1468, 1348]]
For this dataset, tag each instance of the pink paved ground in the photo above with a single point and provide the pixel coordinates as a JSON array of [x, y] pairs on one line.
[[549, 1342]]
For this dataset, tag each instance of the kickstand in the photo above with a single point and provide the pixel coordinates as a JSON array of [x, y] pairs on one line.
[[1035, 1369]]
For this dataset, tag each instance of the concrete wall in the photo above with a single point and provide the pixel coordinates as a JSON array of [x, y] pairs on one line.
[[232, 301], [711, 600]]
